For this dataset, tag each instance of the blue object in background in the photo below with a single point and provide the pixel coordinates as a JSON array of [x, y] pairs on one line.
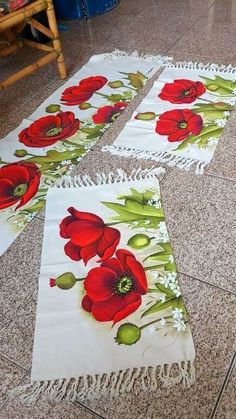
[[80, 9]]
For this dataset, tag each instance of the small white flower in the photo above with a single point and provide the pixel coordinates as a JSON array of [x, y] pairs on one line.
[[234, 91], [162, 322], [71, 148], [171, 258], [212, 141], [152, 328], [172, 276], [155, 200], [177, 291], [64, 162], [221, 122], [230, 101], [177, 313], [20, 225], [227, 113], [179, 325], [146, 222], [163, 298]]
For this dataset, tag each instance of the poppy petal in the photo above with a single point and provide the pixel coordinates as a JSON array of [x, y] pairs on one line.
[[116, 308], [100, 283], [88, 252], [179, 135], [115, 265], [72, 251], [108, 242], [80, 215], [87, 304], [82, 233], [138, 274]]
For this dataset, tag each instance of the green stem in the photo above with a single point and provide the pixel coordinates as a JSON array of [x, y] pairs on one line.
[[129, 87], [113, 224], [101, 94], [80, 279], [149, 268], [154, 321], [206, 100]]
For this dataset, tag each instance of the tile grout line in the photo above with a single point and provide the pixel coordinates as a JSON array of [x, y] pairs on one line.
[[89, 409], [207, 283], [220, 177], [11, 361], [223, 387], [8, 397]]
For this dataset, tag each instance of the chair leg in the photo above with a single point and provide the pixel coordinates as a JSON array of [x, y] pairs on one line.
[[56, 39]]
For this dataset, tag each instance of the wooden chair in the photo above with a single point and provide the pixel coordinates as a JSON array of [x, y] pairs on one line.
[[11, 26]]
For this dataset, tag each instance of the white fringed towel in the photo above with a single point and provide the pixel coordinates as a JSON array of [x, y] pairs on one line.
[[110, 312], [181, 119]]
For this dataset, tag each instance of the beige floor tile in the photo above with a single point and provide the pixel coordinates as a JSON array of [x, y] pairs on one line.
[[18, 94], [212, 315], [208, 38], [200, 215], [10, 376], [19, 274], [227, 406], [223, 163], [184, 10]]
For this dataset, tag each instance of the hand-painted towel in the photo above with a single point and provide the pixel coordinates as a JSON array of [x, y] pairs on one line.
[[110, 311], [181, 119], [59, 133]]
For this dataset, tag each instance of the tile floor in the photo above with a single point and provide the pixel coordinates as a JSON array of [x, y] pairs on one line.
[[201, 224]]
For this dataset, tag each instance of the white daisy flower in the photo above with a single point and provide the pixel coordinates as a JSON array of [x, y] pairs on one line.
[[179, 325], [221, 122], [177, 313], [226, 113]]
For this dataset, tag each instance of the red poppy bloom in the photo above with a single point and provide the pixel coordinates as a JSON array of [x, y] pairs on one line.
[[75, 95], [88, 235], [114, 289], [18, 183], [108, 114], [182, 91], [50, 129], [179, 124]]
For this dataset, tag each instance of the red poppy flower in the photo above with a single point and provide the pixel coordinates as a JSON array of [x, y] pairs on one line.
[[114, 289], [179, 124], [88, 235], [50, 129], [108, 114], [75, 95], [182, 91], [18, 183]]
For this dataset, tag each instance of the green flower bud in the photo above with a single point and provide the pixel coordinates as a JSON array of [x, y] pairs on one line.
[[223, 106], [84, 106], [53, 108], [128, 334], [64, 281], [139, 241], [145, 116], [115, 84], [21, 153], [212, 87]]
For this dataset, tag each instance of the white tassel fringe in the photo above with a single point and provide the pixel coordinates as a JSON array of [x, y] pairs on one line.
[[113, 385], [159, 59], [190, 65], [161, 157], [112, 177]]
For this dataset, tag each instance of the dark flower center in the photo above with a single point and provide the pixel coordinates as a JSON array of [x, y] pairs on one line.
[[183, 125], [186, 92], [20, 190], [124, 285], [53, 132]]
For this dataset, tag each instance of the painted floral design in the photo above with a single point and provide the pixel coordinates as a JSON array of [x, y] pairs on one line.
[[179, 124], [75, 95], [108, 114], [182, 91], [48, 130], [114, 290], [19, 182], [88, 235]]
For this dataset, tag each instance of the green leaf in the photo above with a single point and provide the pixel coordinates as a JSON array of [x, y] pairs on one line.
[[136, 80], [206, 133], [160, 306], [57, 156], [146, 210], [36, 207], [92, 132], [165, 290], [219, 86]]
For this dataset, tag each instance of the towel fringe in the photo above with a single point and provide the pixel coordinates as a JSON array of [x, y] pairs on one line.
[[159, 59], [105, 178], [161, 157], [190, 65], [113, 385]]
